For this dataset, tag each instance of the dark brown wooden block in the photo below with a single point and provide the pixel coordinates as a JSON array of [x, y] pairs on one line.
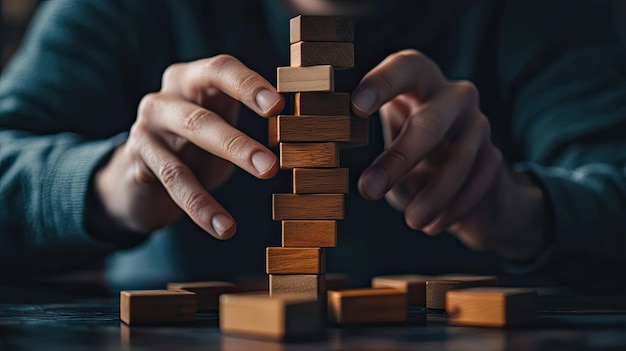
[[360, 132], [313, 285], [320, 181], [370, 305], [412, 284], [321, 28], [305, 79], [290, 260], [157, 306], [313, 155], [307, 206], [309, 233], [338, 55], [437, 287], [284, 128], [336, 281], [322, 104], [207, 293]]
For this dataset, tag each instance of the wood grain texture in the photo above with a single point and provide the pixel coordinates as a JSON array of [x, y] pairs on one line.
[[207, 293], [157, 307], [312, 155], [307, 206], [412, 284], [437, 287], [312, 285], [338, 55], [370, 305], [320, 181], [322, 104], [491, 306], [309, 233], [309, 129], [321, 28], [282, 317], [305, 79], [289, 260]]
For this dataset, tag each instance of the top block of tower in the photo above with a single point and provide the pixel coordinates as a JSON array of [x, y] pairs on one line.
[[321, 28]]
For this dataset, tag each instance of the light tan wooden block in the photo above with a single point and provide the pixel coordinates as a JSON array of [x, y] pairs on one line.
[[437, 287], [320, 181], [298, 129], [321, 28], [338, 55], [157, 306], [313, 285], [313, 155], [305, 79], [491, 306], [307, 206], [207, 293], [312, 233], [277, 318], [322, 104], [370, 305], [291, 260], [336, 281], [412, 284]]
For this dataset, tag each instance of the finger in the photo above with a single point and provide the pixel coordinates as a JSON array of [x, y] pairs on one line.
[[186, 191], [392, 117], [226, 74], [405, 190]]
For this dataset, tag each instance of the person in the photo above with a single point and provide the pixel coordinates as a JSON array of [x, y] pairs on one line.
[[500, 137]]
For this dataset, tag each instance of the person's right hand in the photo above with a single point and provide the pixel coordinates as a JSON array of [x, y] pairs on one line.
[[183, 144]]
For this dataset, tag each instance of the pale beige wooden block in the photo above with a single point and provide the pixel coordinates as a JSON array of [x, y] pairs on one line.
[[291, 260], [309, 155], [321, 28], [369, 305], [309, 233], [322, 104], [437, 287], [412, 284], [307, 206], [157, 306], [339, 55], [320, 181], [305, 79], [207, 293], [312, 285], [297, 129]]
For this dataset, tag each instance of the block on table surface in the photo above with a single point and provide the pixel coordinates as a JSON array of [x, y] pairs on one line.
[[336, 281], [277, 317], [322, 104], [207, 293], [312, 155], [157, 306], [339, 55], [413, 285], [307, 206], [285, 128], [312, 285], [437, 287], [292, 260], [305, 79], [320, 181], [309, 233], [369, 305], [491, 306], [321, 28]]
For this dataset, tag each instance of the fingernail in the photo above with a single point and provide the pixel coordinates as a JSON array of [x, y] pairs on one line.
[[376, 183], [221, 224], [266, 99], [365, 99], [262, 162]]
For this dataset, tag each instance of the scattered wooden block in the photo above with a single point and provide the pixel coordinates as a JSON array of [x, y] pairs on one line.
[[335, 281], [436, 288], [322, 104], [321, 28], [338, 55], [371, 305], [412, 284], [157, 306], [307, 206], [207, 293], [359, 132], [491, 306], [313, 233], [312, 285], [320, 181], [305, 79], [309, 129], [313, 155], [277, 318], [289, 260]]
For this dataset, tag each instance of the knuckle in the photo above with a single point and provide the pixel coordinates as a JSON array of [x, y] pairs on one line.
[[234, 144], [429, 126], [400, 160], [467, 90], [217, 63], [244, 83], [196, 203], [171, 73], [170, 172], [148, 105], [195, 120]]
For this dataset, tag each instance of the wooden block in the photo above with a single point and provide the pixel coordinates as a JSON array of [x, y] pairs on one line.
[[289, 260], [321, 28], [305, 79], [412, 284], [324, 181], [335, 281], [491, 306], [157, 306], [313, 285], [436, 288], [309, 233], [277, 318], [359, 132], [322, 104], [313, 155], [371, 305], [307, 206], [207, 293], [309, 129], [338, 55]]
